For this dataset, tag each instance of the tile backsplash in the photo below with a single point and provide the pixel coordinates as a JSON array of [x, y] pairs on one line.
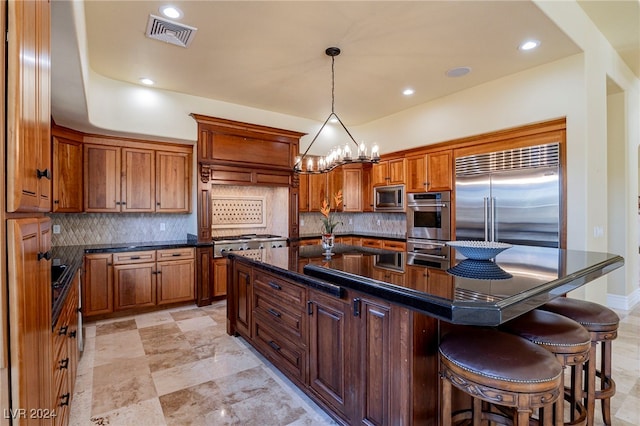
[[391, 224], [112, 228]]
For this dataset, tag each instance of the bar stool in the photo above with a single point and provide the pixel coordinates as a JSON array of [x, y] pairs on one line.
[[497, 369], [569, 342], [602, 325]]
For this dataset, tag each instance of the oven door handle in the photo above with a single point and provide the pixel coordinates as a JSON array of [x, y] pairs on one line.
[[433, 256], [419, 206]]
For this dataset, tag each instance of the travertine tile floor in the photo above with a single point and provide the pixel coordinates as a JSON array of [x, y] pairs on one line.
[[179, 367]]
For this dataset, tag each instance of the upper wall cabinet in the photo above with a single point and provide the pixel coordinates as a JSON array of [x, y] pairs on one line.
[[429, 172], [67, 175], [138, 178], [389, 172], [28, 107]]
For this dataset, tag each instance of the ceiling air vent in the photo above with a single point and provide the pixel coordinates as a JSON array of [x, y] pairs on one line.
[[170, 32]]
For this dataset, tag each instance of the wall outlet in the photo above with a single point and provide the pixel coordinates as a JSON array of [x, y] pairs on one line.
[[301, 222], [378, 222], [56, 229], [350, 221], [163, 227], [598, 231]]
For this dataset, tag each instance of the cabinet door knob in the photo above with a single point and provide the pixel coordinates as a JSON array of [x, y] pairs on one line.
[[46, 173], [65, 399], [46, 255]]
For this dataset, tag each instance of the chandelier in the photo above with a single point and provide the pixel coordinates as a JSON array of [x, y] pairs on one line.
[[338, 155]]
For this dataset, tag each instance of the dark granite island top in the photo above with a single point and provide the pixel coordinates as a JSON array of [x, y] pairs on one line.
[[466, 292]]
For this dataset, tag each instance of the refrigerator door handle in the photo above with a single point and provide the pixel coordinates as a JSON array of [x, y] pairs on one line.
[[493, 219], [486, 218]]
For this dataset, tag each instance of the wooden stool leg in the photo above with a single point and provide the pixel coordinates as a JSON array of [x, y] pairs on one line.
[[605, 380], [559, 405], [445, 411], [477, 412], [590, 389]]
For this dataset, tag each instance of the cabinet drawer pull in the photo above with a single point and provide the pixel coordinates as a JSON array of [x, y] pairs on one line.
[[46, 173], [63, 330], [65, 399], [176, 254], [134, 257], [274, 312], [356, 307], [64, 363], [274, 286], [72, 334], [309, 307], [274, 345]]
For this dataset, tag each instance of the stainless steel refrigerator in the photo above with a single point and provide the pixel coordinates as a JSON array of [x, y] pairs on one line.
[[510, 196]]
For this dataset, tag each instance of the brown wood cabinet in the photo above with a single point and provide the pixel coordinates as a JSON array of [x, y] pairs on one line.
[[348, 178], [28, 107], [430, 171], [134, 285], [173, 182], [329, 361], [389, 172], [138, 279], [351, 354], [175, 272], [240, 300], [367, 188], [303, 193], [318, 191], [29, 291], [67, 175], [220, 276], [151, 181], [65, 354], [98, 284], [138, 192], [438, 282], [102, 179]]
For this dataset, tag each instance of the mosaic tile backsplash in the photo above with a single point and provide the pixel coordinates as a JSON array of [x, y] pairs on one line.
[[111, 228]]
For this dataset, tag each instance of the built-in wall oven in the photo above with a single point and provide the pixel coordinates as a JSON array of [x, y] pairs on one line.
[[429, 215], [428, 226]]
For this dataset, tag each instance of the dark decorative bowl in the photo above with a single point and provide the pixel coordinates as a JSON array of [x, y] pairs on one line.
[[479, 250], [479, 270]]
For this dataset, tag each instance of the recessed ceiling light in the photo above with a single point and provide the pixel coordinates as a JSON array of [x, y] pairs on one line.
[[529, 44], [147, 81], [171, 12], [408, 91], [458, 71]]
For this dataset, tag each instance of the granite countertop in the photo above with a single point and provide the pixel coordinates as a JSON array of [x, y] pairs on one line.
[[384, 236], [463, 292]]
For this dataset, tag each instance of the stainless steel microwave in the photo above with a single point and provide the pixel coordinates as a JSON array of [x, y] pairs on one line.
[[388, 198]]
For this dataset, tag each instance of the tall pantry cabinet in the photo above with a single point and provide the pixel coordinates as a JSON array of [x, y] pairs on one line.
[[26, 356]]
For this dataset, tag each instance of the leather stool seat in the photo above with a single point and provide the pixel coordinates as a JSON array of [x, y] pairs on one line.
[[602, 325], [499, 369], [568, 341]]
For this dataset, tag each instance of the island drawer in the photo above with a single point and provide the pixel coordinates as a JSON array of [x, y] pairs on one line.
[[280, 289], [174, 254], [279, 315], [285, 355], [134, 257]]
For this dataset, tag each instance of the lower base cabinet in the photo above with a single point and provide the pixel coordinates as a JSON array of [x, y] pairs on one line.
[[352, 354], [126, 281]]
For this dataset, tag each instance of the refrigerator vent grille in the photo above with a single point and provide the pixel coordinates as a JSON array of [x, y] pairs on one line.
[[512, 159]]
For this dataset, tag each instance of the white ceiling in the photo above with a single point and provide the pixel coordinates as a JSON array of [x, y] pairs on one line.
[[270, 55]]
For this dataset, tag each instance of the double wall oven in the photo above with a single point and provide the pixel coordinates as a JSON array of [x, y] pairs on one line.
[[428, 227]]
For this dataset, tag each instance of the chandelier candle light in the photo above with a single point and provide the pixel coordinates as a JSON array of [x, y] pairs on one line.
[[338, 155]]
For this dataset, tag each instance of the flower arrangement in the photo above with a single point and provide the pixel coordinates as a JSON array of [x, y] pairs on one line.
[[328, 221]]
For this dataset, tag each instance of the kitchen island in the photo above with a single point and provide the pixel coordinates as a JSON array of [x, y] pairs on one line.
[[358, 331]]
